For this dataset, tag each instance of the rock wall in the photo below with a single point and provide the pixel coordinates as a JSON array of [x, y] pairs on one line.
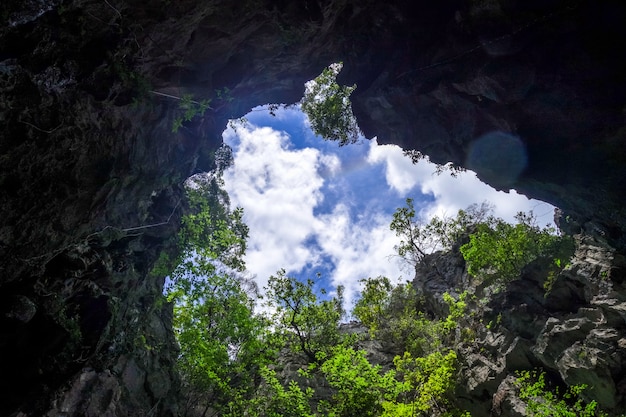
[[91, 173], [575, 328]]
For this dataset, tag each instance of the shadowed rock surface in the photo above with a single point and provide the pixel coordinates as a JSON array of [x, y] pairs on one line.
[[91, 173], [575, 330]]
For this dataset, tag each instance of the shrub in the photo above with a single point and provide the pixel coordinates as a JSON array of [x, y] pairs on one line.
[[327, 105], [498, 251], [541, 401]]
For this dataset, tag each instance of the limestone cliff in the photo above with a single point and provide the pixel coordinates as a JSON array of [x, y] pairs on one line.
[[91, 172], [573, 328]]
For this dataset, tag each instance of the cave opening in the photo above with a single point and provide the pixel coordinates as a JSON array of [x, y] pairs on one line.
[[92, 172], [317, 208]]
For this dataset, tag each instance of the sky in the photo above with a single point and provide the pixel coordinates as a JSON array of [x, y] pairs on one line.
[[322, 211]]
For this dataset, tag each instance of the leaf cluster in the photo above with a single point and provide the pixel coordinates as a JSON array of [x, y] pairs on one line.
[[494, 251], [274, 399], [498, 251], [308, 325], [543, 401], [327, 105], [426, 365], [360, 388], [427, 380], [211, 231], [394, 315], [188, 108], [221, 339], [420, 239]]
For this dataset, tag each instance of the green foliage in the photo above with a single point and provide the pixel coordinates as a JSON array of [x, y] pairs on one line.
[[211, 231], [541, 401], [224, 94], [428, 380], [415, 239], [372, 308], [327, 105], [188, 108], [220, 339], [276, 400], [360, 389], [393, 315], [497, 251], [308, 324], [456, 311], [420, 239], [425, 371], [421, 382], [229, 354]]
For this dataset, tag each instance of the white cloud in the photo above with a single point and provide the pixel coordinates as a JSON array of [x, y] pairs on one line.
[[401, 174], [358, 249], [451, 193], [279, 187]]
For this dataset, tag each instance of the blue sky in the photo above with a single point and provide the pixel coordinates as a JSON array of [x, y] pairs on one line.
[[314, 207]]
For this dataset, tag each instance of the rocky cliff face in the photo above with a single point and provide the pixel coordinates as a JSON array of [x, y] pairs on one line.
[[573, 328], [91, 172]]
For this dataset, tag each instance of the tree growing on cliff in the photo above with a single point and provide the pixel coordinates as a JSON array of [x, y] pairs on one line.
[[308, 325], [544, 400], [419, 239], [497, 251], [327, 105], [221, 339], [426, 362]]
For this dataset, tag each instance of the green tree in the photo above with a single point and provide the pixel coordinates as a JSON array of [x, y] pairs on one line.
[[428, 382], [222, 342], [327, 105], [419, 385], [188, 109], [426, 364], [309, 325], [498, 251], [275, 399], [541, 401], [419, 239], [211, 230], [372, 308], [360, 388], [394, 315]]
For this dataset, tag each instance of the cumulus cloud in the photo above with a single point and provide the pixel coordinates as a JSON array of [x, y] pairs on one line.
[[400, 173], [358, 249], [280, 188], [451, 193]]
